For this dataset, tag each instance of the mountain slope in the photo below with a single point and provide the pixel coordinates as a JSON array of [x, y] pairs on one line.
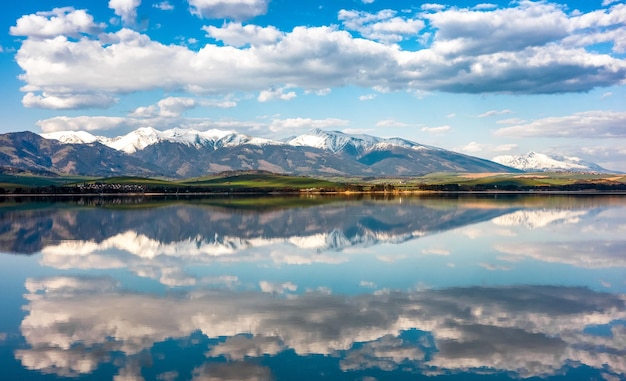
[[183, 153], [533, 161], [31, 152]]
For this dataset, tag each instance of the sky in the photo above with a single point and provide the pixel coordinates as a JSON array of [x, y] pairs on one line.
[[480, 77]]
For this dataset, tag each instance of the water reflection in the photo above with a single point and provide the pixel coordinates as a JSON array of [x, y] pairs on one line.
[[327, 288], [528, 330]]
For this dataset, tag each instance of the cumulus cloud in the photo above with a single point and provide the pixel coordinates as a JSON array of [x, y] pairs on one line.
[[383, 26], [231, 9], [84, 123], [164, 6], [295, 124], [66, 102], [60, 21], [126, 9], [367, 97], [587, 124], [437, 130], [391, 123], [276, 94], [522, 49], [494, 112], [237, 35]]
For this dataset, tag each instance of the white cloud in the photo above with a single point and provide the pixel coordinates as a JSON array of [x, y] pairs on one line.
[[471, 147], [82, 123], [126, 9], [391, 123], [367, 97], [231, 9], [505, 147], [276, 94], [305, 124], [164, 6], [383, 26], [436, 130], [60, 21], [237, 35], [494, 112], [484, 6], [606, 95], [174, 106], [511, 121], [518, 50], [65, 102], [432, 7], [587, 124], [608, 2], [484, 149]]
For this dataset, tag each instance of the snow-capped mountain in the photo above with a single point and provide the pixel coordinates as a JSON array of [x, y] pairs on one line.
[[538, 162], [336, 142], [183, 153], [146, 136]]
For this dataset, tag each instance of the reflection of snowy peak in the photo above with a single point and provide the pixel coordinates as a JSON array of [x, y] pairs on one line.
[[539, 218], [534, 161], [335, 141], [143, 246]]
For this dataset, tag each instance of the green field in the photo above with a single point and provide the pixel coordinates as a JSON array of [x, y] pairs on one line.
[[251, 181]]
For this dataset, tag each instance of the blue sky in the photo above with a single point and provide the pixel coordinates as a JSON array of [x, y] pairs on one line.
[[485, 78]]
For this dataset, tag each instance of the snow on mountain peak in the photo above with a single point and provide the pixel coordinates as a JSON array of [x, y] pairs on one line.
[[336, 141], [534, 161], [71, 137]]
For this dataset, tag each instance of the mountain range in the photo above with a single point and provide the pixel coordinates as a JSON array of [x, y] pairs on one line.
[[539, 162], [182, 153]]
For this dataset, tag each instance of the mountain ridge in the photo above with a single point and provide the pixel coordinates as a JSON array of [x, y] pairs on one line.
[[180, 153], [539, 162]]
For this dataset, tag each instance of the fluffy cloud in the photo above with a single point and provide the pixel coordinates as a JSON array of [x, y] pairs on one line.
[[528, 48], [84, 123], [60, 21], [436, 130], [66, 102], [126, 9], [237, 35], [294, 124], [232, 9], [164, 6], [383, 26], [276, 94], [494, 112], [588, 124]]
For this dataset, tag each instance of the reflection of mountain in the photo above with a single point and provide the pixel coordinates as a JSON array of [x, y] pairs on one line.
[[210, 229], [539, 218], [524, 330]]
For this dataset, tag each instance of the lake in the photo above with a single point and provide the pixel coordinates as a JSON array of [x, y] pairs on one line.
[[457, 287]]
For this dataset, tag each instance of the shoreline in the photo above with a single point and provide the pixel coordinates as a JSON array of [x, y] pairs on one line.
[[318, 193]]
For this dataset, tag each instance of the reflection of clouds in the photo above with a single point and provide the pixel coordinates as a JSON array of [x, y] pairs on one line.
[[237, 371], [239, 347], [534, 219], [387, 353], [530, 330], [277, 288], [586, 254]]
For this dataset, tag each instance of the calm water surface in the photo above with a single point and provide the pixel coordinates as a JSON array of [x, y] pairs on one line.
[[460, 288]]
